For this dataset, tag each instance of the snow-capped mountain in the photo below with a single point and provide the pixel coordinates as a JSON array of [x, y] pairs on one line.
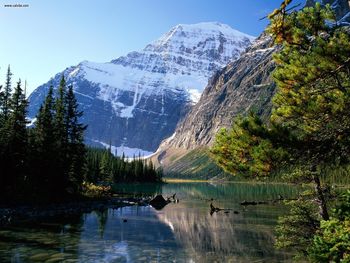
[[135, 101]]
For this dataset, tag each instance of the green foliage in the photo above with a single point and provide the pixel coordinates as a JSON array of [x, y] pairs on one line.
[[246, 148], [76, 151], [58, 135], [296, 229], [342, 210], [332, 241], [103, 167], [6, 95], [47, 160], [13, 140], [332, 244], [312, 77]]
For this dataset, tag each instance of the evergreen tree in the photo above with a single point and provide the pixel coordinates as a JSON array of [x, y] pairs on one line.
[[1, 107], [14, 141], [60, 128], [17, 138], [75, 135], [106, 166], [45, 154], [313, 95], [6, 95], [2, 140]]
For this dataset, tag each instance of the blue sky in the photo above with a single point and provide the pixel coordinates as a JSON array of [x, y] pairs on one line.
[[44, 38]]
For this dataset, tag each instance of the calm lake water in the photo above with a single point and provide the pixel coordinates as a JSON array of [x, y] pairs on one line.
[[180, 232]]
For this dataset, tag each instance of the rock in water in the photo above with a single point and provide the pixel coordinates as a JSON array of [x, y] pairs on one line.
[[158, 202]]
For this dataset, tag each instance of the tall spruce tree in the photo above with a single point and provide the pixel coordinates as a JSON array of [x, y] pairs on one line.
[[2, 139], [61, 135], [75, 134], [6, 96], [45, 160], [17, 137]]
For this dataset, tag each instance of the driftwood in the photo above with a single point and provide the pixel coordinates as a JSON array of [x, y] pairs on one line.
[[214, 209], [279, 199], [245, 203]]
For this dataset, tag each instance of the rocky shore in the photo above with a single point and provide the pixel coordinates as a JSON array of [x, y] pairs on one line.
[[25, 213]]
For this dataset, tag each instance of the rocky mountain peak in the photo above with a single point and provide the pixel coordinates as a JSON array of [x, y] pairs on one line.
[[135, 101]]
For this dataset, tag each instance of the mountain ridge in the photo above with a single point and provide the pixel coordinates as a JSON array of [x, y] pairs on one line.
[[136, 101]]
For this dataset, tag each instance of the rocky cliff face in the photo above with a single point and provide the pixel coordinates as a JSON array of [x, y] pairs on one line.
[[242, 85], [136, 101]]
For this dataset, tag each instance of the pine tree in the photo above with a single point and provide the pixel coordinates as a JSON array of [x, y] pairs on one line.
[[313, 95], [249, 148], [60, 128], [14, 140], [45, 155], [75, 135], [2, 140], [17, 134], [6, 96], [1, 106]]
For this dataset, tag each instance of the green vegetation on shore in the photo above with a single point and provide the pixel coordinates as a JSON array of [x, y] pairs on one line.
[[102, 166]]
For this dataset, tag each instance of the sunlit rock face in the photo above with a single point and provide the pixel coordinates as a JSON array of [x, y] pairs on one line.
[[135, 101], [243, 85]]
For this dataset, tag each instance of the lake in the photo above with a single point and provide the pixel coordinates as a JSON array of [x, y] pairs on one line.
[[181, 232]]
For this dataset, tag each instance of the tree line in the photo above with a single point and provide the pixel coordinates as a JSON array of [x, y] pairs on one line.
[[103, 166], [49, 160], [308, 132]]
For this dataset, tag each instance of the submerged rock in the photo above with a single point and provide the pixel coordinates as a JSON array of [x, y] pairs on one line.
[[159, 202]]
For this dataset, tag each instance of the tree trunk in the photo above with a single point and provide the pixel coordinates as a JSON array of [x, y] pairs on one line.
[[320, 195]]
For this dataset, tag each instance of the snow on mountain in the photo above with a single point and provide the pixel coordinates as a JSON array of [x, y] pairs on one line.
[[136, 100], [126, 151]]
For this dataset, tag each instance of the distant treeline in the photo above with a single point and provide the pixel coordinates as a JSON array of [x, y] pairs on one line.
[[50, 160], [102, 166]]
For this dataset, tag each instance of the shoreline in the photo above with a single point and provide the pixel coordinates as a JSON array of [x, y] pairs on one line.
[[10, 215]]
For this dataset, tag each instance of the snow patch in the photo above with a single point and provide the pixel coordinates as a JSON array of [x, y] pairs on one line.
[[31, 122], [194, 95], [128, 152]]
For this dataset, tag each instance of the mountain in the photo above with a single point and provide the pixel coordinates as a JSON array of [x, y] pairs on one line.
[[135, 101], [243, 85]]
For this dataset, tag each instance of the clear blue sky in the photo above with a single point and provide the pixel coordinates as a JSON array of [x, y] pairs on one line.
[[43, 39]]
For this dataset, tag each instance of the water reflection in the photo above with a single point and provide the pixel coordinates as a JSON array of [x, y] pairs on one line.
[[226, 237], [181, 232]]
